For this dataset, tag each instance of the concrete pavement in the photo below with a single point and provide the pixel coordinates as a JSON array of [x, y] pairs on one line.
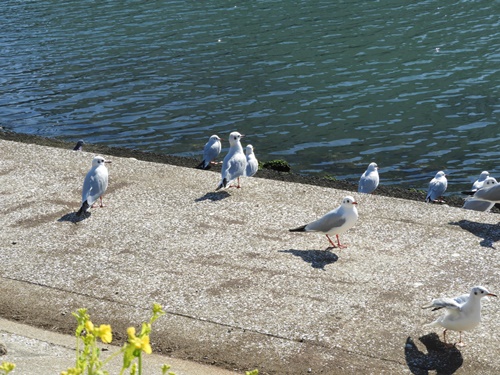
[[240, 291]]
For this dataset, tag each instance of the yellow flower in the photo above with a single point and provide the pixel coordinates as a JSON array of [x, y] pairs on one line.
[[72, 371], [104, 332], [7, 367], [141, 343], [89, 326]]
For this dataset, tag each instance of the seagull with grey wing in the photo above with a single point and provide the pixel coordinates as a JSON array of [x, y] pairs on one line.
[[369, 180], [489, 194], [437, 187], [335, 222], [234, 164], [252, 162], [462, 313], [210, 152], [94, 184], [472, 203]]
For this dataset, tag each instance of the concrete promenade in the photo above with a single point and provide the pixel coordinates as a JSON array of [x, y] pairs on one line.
[[240, 291]]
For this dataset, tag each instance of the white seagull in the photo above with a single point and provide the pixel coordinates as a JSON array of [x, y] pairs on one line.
[[437, 187], [234, 164], [335, 222], [210, 151], [369, 180], [478, 184], [461, 313], [94, 185], [472, 203], [489, 194], [252, 162]]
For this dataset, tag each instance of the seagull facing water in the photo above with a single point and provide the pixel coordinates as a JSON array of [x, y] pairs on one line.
[[369, 180], [210, 151], [252, 162], [462, 313], [437, 187], [234, 164], [335, 222], [94, 185]]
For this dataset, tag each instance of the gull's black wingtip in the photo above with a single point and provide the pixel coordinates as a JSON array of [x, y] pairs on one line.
[[299, 229]]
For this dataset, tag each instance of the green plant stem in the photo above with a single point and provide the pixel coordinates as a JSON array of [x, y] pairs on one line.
[[139, 362]]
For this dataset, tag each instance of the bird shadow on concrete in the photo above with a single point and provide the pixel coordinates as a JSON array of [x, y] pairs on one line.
[[318, 258], [73, 218], [490, 233], [441, 358], [213, 196]]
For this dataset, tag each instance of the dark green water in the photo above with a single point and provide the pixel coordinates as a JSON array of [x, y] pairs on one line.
[[327, 85]]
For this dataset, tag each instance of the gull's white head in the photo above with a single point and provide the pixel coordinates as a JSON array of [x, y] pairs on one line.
[[484, 175], [234, 138], [99, 160], [372, 167], [349, 202], [249, 149], [480, 292], [214, 138], [440, 174], [490, 181]]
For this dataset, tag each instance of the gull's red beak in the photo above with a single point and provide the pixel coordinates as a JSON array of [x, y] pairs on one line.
[[492, 295]]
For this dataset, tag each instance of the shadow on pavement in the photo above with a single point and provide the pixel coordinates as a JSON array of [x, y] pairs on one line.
[[439, 357], [73, 218], [214, 196], [490, 233], [317, 258]]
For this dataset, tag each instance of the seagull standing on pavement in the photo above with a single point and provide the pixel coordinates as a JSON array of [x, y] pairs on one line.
[[462, 313], [437, 187], [94, 185], [369, 180], [234, 164], [335, 222], [210, 151], [472, 203], [252, 162], [489, 194]]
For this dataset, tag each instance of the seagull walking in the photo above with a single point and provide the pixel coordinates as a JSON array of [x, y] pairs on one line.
[[94, 185], [335, 222], [210, 152], [472, 203], [437, 187], [369, 180], [462, 313], [252, 162], [234, 164]]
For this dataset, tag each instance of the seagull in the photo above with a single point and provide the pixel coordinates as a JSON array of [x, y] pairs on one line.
[[472, 203], [478, 184], [335, 222], [94, 185], [252, 163], [437, 187], [234, 164], [462, 313], [489, 194], [210, 152], [79, 145], [369, 180]]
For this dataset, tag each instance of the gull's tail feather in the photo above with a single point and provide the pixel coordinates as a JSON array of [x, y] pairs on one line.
[[223, 184], [203, 165], [299, 229], [84, 208]]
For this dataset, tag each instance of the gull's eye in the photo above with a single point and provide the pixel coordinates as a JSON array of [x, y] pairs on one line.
[[475, 293]]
